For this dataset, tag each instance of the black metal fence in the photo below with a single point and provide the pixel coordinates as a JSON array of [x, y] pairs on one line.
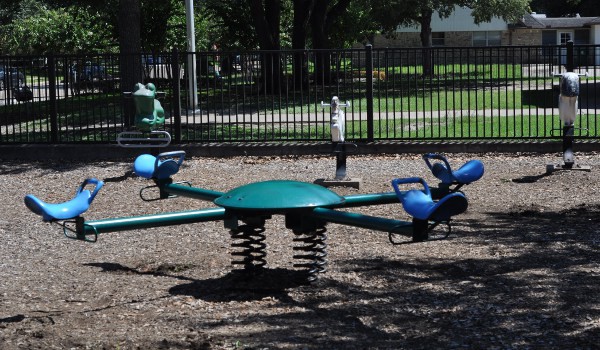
[[458, 93]]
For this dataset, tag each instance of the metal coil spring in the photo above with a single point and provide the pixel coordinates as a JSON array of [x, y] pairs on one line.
[[315, 248], [251, 241]]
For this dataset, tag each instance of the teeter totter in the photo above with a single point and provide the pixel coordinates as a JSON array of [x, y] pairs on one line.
[[307, 209]]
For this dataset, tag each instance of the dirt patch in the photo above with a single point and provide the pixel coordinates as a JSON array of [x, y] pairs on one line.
[[520, 270]]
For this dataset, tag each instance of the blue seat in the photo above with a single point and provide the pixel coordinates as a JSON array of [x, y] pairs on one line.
[[469, 172], [160, 167], [66, 210], [420, 205]]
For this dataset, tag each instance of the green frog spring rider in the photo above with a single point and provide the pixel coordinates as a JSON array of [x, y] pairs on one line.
[[149, 116]]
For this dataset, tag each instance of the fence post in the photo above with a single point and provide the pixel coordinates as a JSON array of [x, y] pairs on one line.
[[52, 96], [369, 96], [176, 98], [570, 64]]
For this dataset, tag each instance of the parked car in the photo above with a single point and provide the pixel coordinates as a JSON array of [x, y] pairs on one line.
[[89, 76], [23, 93], [11, 78]]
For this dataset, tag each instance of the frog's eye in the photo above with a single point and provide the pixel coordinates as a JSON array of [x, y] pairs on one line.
[[150, 87], [137, 87]]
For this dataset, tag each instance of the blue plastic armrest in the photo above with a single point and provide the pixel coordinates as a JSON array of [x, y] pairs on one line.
[[443, 170], [428, 156], [409, 180], [91, 181], [66, 210]]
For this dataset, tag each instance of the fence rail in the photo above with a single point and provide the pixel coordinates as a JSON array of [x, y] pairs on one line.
[[507, 92]]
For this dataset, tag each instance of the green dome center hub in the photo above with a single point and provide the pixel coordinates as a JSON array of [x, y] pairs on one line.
[[277, 196]]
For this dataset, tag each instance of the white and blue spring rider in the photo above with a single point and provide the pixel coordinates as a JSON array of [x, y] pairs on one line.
[[568, 109]]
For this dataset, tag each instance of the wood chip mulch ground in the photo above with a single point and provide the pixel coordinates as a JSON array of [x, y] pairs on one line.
[[520, 270]]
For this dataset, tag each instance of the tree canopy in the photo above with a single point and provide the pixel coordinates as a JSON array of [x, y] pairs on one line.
[[41, 26], [567, 8], [35, 28]]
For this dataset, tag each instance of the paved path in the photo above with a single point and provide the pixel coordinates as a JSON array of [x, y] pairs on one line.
[[262, 117]]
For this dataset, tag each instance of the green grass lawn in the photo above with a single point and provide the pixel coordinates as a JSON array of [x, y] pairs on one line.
[[455, 101], [471, 128]]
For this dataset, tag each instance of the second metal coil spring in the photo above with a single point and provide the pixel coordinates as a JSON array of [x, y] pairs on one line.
[[314, 247]]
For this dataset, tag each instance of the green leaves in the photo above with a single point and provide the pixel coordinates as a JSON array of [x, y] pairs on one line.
[[508, 10], [62, 30]]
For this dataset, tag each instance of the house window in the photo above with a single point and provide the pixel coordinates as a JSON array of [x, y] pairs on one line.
[[487, 38], [437, 38], [565, 37]]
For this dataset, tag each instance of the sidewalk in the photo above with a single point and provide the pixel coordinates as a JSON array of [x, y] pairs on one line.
[[266, 117]]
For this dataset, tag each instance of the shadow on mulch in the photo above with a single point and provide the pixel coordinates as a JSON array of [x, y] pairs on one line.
[[243, 286], [534, 286], [236, 285], [16, 167]]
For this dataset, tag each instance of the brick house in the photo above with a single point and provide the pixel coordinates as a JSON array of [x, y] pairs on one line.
[[451, 31], [537, 29], [459, 29]]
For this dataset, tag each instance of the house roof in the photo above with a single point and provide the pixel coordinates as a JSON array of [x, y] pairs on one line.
[[542, 22]]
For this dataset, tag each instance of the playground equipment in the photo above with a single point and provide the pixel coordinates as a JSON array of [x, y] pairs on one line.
[[307, 209], [568, 110], [66, 212], [338, 118], [160, 168], [149, 115], [453, 180], [341, 148]]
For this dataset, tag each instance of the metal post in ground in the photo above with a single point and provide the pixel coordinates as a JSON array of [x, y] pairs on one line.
[[369, 93], [340, 146], [52, 96], [568, 110], [176, 97]]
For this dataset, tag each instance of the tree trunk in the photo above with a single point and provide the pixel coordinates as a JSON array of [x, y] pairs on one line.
[[302, 12], [322, 20], [425, 21], [320, 41], [130, 47], [267, 23]]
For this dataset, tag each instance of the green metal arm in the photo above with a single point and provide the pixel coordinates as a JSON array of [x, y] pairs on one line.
[[148, 221], [191, 192], [360, 200], [364, 221]]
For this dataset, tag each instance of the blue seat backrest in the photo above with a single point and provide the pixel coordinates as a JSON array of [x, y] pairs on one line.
[[162, 166]]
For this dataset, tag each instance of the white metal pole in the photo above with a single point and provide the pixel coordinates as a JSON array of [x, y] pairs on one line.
[[191, 66]]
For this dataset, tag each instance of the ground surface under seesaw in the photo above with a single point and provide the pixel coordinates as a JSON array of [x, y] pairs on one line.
[[521, 268]]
